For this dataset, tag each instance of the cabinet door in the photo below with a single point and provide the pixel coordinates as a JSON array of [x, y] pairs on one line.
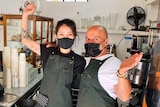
[[40, 28], [13, 33]]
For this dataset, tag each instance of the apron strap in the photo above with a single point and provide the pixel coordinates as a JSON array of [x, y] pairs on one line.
[[106, 59]]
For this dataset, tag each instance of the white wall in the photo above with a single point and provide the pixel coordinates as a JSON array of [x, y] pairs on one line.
[[60, 10], [90, 9]]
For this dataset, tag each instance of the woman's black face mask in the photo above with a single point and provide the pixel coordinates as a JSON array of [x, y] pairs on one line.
[[65, 42], [92, 49]]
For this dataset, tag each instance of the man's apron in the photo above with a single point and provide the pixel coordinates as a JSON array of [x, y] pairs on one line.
[[91, 92], [57, 79]]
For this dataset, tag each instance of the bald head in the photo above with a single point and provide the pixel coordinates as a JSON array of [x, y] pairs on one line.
[[97, 29]]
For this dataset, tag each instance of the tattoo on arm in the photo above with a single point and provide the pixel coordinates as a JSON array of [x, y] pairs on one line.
[[29, 44], [24, 34]]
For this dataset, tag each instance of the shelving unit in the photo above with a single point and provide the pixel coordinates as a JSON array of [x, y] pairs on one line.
[[35, 19]]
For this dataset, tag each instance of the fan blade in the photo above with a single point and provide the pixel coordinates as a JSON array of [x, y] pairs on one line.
[[131, 22], [130, 17], [135, 9], [139, 16]]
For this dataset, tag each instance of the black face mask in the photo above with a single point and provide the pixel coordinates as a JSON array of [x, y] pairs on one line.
[[92, 49], [65, 42]]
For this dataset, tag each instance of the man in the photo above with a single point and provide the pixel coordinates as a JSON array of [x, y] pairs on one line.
[[104, 81]]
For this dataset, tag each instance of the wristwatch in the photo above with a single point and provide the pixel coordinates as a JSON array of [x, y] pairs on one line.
[[124, 75]]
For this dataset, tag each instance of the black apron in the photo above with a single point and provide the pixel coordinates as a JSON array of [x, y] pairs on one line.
[[57, 80], [91, 92]]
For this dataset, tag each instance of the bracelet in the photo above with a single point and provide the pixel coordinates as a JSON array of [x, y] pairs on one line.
[[124, 75], [24, 34]]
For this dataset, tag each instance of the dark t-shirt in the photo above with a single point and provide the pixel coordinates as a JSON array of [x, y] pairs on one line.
[[79, 62]]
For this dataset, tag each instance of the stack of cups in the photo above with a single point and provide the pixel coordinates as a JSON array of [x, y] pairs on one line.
[[14, 67], [6, 67], [22, 70]]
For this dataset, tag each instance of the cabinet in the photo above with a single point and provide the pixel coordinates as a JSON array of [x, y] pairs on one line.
[[40, 27]]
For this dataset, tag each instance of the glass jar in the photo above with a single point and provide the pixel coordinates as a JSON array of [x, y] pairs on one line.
[[38, 4], [96, 20]]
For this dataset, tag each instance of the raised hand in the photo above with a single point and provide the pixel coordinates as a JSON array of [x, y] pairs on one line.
[[130, 62], [29, 9]]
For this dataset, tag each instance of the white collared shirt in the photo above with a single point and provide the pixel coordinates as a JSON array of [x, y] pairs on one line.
[[107, 73]]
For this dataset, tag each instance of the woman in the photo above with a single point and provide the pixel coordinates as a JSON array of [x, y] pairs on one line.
[[61, 65]]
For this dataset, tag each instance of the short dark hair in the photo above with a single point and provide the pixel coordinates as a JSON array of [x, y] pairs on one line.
[[70, 23]]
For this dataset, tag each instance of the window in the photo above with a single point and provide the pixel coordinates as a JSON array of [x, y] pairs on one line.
[[67, 0], [55, 0]]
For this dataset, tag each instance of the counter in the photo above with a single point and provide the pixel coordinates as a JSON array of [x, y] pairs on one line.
[[22, 93]]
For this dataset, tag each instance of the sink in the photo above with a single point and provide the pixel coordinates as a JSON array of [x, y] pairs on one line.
[[8, 97]]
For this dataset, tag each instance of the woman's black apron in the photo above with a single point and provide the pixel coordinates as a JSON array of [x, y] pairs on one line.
[[57, 79]]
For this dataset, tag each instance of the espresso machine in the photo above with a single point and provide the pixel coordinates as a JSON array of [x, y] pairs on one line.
[[145, 77], [139, 74]]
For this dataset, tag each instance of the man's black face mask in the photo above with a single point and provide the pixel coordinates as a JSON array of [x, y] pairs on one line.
[[65, 43], [92, 49]]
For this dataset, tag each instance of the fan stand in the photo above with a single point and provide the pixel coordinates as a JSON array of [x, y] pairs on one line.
[[136, 25]]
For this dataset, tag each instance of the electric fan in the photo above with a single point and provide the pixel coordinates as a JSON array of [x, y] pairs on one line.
[[136, 16]]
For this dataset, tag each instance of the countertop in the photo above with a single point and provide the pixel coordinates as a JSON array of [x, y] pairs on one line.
[[20, 92]]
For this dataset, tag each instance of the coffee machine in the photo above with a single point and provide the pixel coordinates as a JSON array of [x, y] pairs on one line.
[[145, 77], [139, 74]]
